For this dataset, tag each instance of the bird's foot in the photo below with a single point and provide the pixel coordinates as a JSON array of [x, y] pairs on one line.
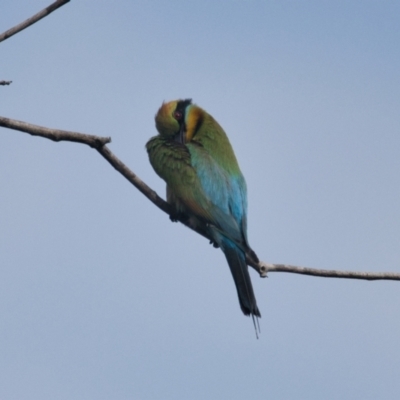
[[214, 244], [175, 217]]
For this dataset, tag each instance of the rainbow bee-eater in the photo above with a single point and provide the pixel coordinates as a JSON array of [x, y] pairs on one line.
[[193, 155]]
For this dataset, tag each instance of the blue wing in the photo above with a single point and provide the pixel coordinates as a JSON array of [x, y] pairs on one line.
[[227, 205], [226, 194]]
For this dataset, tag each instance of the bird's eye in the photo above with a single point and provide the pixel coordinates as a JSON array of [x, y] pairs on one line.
[[178, 115]]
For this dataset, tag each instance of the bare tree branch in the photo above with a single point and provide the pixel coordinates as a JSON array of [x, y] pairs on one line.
[[369, 276], [3, 83], [54, 134], [30, 21], [99, 143]]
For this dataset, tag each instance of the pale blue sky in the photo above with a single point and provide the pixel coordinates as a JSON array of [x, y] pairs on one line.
[[102, 297]]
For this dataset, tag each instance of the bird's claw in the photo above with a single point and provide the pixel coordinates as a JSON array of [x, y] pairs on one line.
[[214, 244], [173, 218]]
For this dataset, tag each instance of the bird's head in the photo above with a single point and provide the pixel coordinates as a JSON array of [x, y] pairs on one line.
[[179, 120]]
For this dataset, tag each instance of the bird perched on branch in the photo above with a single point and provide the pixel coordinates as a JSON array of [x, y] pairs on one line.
[[193, 155]]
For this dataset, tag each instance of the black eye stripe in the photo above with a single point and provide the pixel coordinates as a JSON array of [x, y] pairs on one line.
[[181, 106]]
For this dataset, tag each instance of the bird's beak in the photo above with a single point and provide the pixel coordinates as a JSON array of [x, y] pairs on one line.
[[181, 137]]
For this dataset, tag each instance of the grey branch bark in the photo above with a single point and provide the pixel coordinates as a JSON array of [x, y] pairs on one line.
[[54, 134], [30, 21], [323, 273], [99, 143]]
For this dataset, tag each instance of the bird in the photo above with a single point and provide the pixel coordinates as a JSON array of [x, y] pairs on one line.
[[205, 186]]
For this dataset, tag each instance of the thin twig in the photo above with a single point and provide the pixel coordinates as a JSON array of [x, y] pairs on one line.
[[54, 134], [3, 83], [369, 276], [99, 143], [33, 19]]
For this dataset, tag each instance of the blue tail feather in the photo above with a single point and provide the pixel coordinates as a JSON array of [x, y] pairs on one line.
[[240, 272]]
